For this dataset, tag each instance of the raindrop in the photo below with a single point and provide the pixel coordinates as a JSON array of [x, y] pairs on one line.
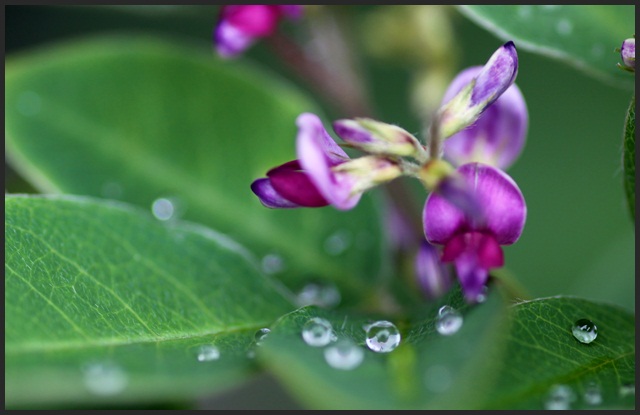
[[560, 397], [29, 103], [564, 27], [111, 190], [344, 355], [382, 336], [105, 379], [627, 389], [207, 353], [163, 209], [261, 335], [592, 394], [449, 320], [317, 293], [317, 332], [584, 331], [272, 264], [338, 242], [438, 378]]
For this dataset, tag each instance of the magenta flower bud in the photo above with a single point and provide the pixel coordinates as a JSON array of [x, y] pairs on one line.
[[375, 137], [474, 246], [465, 107], [239, 26], [498, 135], [628, 54], [433, 276]]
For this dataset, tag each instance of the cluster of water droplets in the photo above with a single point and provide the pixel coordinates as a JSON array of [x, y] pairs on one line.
[[321, 294]]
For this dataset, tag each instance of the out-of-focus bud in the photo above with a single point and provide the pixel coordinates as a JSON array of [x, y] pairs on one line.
[[375, 137]]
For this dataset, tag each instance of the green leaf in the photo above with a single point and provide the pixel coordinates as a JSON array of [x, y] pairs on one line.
[[502, 357], [582, 36], [542, 352], [104, 304], [137, 119], [629, 157]]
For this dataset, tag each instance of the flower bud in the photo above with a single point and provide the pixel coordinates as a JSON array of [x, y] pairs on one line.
[[628, 54], [366, 172], [496, 76], [375, 137]]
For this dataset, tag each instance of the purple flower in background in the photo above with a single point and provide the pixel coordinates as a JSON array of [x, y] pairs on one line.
[[474, 245], [432, 275], [498, 135], [628, 54], [239, 26], [323, 174]]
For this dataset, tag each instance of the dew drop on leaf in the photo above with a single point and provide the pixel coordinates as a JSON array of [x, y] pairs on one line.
[[382, 336], [560, 397], [207, 353], [448, 321], [344, 355], [261, 335], [317, 332], [592, 394], [584, 331], [105, 379], [321, 294], [627, 389], [162, 209]]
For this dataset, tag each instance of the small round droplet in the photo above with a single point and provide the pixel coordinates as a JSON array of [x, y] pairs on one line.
[[29, 103], [272, 264], [564, 27], [592, 394], [261, 335], [382, 336], [163, 209], [105, 379], [560, 397], [449, 320], [627, 389], [584, 331], [338, 242], [207, 353], [438, 378], [317, 332], [321, 294], [344, 355]]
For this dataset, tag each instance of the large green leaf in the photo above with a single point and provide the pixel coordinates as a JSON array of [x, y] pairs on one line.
[[138, 119], [583, 36], [491, 362], [105, 304], [629, 157]]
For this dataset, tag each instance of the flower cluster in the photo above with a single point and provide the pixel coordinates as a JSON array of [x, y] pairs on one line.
[[473, 206]]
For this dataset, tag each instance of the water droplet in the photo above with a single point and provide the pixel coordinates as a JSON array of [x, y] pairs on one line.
[[272, 264], [584, 331], [105, 379], [524, 11], [261, 335], [338, 242], [564, 27], [382, 336], [163, 209], [449, 320], [317, 293], [344, 355], [317, 332], [29, 103], [560, 397], [438, 378], [592, 394], [482, 297], [627, 389], [207, 353], [111, 190]]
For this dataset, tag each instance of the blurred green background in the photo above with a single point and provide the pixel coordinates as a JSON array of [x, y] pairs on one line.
[[579, 238]]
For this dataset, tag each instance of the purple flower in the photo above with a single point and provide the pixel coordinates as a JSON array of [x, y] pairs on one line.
[[628, 53], [433, 276], [375, 137], [498, 135], [239, 26], [484, 89], [474, 245], [323, 174]]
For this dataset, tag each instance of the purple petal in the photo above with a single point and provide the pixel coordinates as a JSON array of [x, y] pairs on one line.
[[499, 134], [230, 41], [317, 153], [496, 76], [628, 52], [432, 275], [472, 277], [269, 196], [294, 185], [503, 205], [352, 132], [256, 20]]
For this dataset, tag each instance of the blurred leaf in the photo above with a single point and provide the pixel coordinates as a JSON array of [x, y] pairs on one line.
[[580, 35], [137, 119], [491, 362], [105, 305], [542, 352], [629, 157]]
